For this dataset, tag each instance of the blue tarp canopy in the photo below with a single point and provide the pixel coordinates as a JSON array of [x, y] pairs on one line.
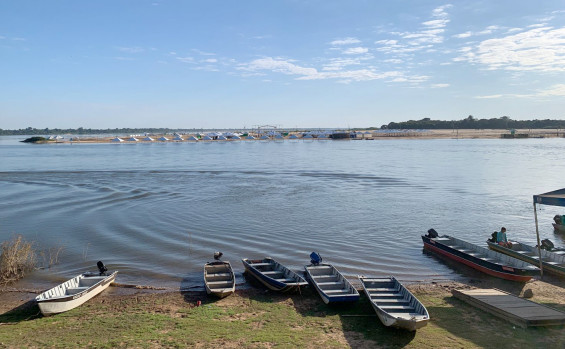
[[553, 198]]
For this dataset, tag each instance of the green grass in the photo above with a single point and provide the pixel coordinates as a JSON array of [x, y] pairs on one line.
[[254, 319]]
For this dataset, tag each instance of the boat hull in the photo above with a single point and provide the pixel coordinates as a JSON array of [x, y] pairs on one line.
[[489, 268], [342, 291], [412, 317], [279, 285], [556, 266], [219, 279], [60, 304]]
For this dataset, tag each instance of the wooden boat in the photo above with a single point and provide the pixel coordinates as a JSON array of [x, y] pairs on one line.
[[553, 261], [273, 275], [219, 278], [559, 227], [329, 283], [480, 258], [394, 304], [74, 292]]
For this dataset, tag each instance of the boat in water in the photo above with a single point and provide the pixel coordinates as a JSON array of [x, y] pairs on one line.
[[394, 304], [273, 275], [552, 261], [489, 262], [330, 284], [74, 292]]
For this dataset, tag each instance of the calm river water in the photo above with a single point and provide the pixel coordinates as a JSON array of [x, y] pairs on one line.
[[157, 212]]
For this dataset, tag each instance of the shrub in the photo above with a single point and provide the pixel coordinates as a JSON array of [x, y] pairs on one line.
[[18, 257]]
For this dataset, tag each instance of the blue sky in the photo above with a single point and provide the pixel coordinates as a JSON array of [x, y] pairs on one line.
[[235, 64]]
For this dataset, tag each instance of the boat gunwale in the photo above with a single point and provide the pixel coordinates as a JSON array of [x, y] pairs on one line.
[[65, 298]]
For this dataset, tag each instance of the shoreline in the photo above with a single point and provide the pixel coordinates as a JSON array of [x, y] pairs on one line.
[[361, 135], [166, 317]]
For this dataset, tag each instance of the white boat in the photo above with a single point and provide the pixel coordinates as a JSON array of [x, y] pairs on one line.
[[329, 283], [219, 278], [74, 292], [394, 304]]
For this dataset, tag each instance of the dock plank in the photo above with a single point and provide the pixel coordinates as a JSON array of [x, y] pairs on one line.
[[519, 311]]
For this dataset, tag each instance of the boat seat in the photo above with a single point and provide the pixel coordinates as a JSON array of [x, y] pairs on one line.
[[408, 315], [218, 275], [373, 295], [381, 289], [552, 263], [391, 300], [284, 280], [442, 239], [342, 290], [331, 283], [320, 267], [220, 283], [377, 280], [398, 307], [260, 264], [75, 290], [272, 272]]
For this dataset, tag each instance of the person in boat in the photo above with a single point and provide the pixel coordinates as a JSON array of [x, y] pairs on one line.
[[501, 238]]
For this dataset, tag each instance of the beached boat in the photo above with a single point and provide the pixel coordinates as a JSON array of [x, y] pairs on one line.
[[273, 275], [74, 292], [394, 304], [329, 283], [480, 258], [219, 278], [553, 261]]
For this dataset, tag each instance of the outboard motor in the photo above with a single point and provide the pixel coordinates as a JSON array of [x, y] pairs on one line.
[[547, 245], [218, 255], [315, 258], [432, 233], [102, 268]]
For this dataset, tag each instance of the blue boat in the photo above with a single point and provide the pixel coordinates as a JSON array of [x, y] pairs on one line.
[[328, 282], [273, 275]]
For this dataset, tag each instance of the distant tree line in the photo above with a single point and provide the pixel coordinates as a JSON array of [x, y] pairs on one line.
[[471, 123], [86, 131]]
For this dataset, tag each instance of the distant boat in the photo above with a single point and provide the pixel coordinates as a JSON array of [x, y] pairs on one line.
[[163, 139], [192, 138], [480, 258], [273, 275], [329, 283], [148, 139], [250, 137], [117, 139], [219, 278], [74, 292], [553, 261], [132, 139], [394, 304]]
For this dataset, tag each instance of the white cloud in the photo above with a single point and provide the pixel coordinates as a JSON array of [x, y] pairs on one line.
[[187, 59], [210, 60], [356, 50], [554, 91], [203, 53], [345, 41], [557, 90], [439, 85], [463, 35], [134, 49], [537, 49]]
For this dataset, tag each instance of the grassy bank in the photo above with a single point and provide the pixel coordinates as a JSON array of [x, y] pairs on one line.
[[255, 318]]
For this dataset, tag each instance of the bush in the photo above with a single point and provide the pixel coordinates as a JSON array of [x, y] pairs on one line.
[[18, 257]]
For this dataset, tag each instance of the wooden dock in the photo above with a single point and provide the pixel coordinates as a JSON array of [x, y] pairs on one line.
[[518, 311]]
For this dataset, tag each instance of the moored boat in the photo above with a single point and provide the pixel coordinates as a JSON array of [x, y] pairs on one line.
[[330, 284], [394, 304], [552, 261], [74, 292], [273, 275], [480, 258], [219, 278]]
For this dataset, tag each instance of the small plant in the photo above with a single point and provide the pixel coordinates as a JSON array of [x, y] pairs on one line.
[[51, 256], [18, 257]]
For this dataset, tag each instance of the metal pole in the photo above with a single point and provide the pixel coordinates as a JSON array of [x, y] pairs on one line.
[[539, 244]]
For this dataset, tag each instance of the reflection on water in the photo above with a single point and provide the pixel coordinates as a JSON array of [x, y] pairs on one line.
[[157, 212]]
